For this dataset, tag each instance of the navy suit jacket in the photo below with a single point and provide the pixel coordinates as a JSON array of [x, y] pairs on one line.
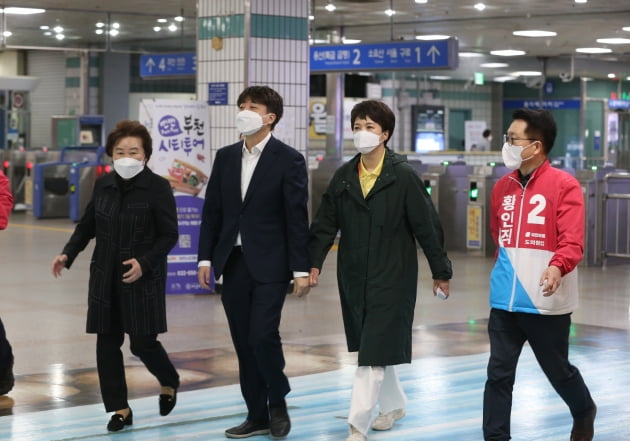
[[272, 217]]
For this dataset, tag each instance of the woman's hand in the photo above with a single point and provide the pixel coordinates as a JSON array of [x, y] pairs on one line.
[[133, 273], [58, 264], [313, 277]]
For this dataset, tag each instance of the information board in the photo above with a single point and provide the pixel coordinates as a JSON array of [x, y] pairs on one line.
[[434, 54]]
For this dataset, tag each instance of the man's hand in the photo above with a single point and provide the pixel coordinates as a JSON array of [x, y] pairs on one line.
[[300, 286], [203, 275], [550, 280]]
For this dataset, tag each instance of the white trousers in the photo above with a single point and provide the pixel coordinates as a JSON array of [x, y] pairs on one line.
[[374, 385]]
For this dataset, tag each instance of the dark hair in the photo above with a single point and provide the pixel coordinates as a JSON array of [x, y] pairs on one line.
[[378, 112], [266, 96], [127, 128], [540, 126], [486, 133]]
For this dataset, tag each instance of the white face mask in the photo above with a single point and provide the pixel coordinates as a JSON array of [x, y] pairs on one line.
[[512, 155], [248, 122], [127, 168], [365, 141]]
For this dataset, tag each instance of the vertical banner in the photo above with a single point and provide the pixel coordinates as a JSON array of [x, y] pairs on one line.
[[181, 154]]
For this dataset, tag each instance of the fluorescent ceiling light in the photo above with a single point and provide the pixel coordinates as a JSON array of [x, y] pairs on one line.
[[311, 17], [470, 54], [179, 18], [389, 12], [58, 29], [612, 75], [508, 53], [172, 27], [494, 65], [440, 77], [23, 11], [479, 6], [581, 1], [503, 79], [7, 33], [534, 33], [330, 7], [157, 28], [626, 28], [593, 50], [113, 32], [421, 1], [526, 73], [613, 40], [60, 36], [44, 27], [162, 20], [99, 31], [100, 24], [350, 41], [433, 37]]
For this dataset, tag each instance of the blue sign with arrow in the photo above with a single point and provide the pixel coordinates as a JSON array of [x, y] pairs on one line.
[[434, 54], [167, 65]]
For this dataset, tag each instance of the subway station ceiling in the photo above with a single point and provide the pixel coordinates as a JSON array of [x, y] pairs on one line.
[[576, 25]]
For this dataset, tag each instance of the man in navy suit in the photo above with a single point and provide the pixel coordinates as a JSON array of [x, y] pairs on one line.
[[254, 231]]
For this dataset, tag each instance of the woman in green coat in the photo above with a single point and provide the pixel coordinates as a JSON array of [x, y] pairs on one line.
[[380, 207]]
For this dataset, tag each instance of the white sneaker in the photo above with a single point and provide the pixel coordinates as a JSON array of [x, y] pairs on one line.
[[355, 435], [385, 421]]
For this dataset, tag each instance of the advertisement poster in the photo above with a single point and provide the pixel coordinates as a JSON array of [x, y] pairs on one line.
[[181, 154]]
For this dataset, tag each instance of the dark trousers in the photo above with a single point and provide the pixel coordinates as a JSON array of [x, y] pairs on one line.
[[111, 368], [548, 336], [6, 353], [253, 310]]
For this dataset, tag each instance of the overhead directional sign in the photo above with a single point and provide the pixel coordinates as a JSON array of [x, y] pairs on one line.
[[166, 65], [435, 54]]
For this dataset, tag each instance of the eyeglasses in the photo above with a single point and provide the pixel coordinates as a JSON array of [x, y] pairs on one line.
[[510, 139]]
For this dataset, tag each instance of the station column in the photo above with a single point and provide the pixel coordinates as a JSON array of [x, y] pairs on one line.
[[245, 43]]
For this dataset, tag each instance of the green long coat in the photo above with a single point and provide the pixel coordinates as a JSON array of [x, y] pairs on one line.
[[377, 263]]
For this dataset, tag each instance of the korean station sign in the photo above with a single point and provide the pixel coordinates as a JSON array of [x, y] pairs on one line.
[[166, 65], [434, 54]]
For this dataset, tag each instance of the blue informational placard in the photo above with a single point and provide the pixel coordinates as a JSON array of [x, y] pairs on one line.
[[546, 104], [218, 94], [434, 54], [166, 65], [618, 104]]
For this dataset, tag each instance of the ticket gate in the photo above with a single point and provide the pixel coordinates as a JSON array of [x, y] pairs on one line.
[[81, 183], [593, 189], [480, 185], [60, 185], [18, 167], [447, 185]]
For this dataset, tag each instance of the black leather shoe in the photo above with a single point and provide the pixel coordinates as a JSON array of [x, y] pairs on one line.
[[118, 422], [167, 403], [583, 429], [247, 429], [279, 423], [7, 381]]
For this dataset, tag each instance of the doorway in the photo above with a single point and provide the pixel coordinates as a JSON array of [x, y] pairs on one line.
[[456, 128]]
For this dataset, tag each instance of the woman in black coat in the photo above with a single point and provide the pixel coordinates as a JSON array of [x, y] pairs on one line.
[[132, 215]]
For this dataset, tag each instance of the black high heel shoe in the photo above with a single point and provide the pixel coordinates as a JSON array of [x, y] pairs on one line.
[[118, 422], [167, 403]]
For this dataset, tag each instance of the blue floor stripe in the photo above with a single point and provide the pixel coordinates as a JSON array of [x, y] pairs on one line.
[[445, 404]]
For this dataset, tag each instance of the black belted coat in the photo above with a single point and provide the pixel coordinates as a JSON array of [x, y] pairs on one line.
[[377, 263], [139, 222]]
